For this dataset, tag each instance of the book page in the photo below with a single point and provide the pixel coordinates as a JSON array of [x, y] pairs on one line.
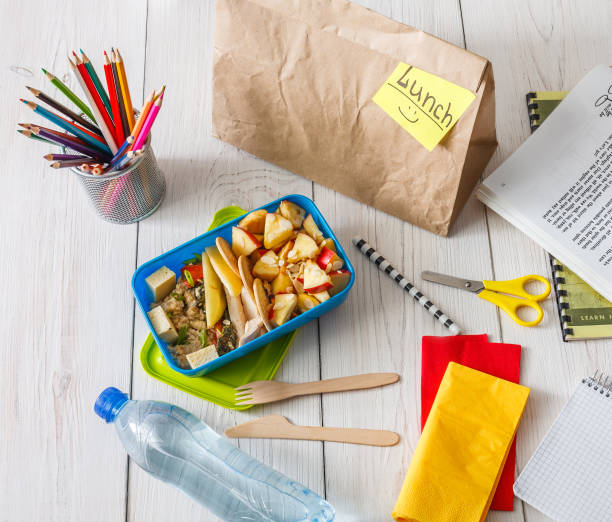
[[558, 184]]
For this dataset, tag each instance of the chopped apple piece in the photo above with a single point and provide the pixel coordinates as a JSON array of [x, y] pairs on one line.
[[282, 284], [322, 296], [284, 304], [225, 273], [329, 261], [313, 230], [278, 230], [259, 237], [214, 297], [267, 267], [328, 243], [304, 248], [315, 279], [284, 251], [254, 222], [292, 212], [243, 242], [228, 256], [306, 302], [263, 303], [339, 281]]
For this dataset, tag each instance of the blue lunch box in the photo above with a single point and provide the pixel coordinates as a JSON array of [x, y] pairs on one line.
[[174, 258]]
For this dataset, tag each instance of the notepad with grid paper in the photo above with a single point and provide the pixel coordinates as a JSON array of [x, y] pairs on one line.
[[569, 477]]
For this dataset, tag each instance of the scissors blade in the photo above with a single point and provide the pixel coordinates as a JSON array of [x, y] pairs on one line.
[[456, 282]]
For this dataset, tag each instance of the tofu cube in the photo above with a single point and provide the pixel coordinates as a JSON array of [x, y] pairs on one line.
[[161, 283], [207, 354], [162, 325]]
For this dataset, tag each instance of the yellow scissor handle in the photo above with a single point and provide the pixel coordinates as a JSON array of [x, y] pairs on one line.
[[517, 287], [511, 304]]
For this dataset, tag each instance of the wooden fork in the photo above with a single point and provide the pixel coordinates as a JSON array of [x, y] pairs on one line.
[[261, 392]]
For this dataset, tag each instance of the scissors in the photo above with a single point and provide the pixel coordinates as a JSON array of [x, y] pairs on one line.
[[500, 293]]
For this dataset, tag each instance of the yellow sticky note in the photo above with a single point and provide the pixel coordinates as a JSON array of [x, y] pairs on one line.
[[424, 104]]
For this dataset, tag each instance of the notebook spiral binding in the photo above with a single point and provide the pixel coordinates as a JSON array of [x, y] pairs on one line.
[[601, 382], [534, 118], [562, 304]]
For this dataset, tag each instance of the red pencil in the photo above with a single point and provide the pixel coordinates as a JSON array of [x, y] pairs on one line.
[[112, 93], [86, 131], [94, 94]]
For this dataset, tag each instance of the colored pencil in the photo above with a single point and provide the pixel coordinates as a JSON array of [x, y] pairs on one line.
[[63, 157], [108, 135], [66, 142], [125, 90], [96, 171], [144, 113], [68, 137], [92, 93], [69, 94], [146, 127], [29, 134], [83, 129], [124, 121], [112, 92], [97, 83], [122, 150], [64, 110], [71, 163], [60, 122]]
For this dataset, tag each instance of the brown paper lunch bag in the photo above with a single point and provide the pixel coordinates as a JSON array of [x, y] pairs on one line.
[[293, 84]]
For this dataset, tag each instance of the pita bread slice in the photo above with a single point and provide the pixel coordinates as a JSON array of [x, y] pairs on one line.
[[227, 254], [236, 312], [263, 303]]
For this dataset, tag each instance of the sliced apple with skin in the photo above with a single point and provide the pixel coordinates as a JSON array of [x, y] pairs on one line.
[[282, 284], [284, 305], [259, 237], [292, 212], [329, 261], [226, 253], [304, 248], [278, 230], [243, 242], [254, 222], [315, 278], [321, 296], [225, 273], [328, 243], [306, 302], [339, 281], [313, 230], [267, 267], [214, 296]]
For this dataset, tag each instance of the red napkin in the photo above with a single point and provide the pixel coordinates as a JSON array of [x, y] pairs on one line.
[[498, 359]]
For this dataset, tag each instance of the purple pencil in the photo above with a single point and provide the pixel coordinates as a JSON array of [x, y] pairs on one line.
[[63, 157], [60, 140]]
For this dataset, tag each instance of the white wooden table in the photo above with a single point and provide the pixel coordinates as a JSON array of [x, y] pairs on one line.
[[68, 322]]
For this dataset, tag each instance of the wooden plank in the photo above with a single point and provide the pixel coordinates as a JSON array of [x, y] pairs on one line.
[[204, 175], [538, 47], [379, 328], [67, 321]]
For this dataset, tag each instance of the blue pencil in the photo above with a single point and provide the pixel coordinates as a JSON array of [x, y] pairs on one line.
[[120, 152], [67, 127]]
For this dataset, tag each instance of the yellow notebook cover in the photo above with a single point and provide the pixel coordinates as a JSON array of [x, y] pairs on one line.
[[459, 458]]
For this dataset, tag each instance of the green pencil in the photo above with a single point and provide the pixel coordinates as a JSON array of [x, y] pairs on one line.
[[96, 81], [69, 94], [31, 135]]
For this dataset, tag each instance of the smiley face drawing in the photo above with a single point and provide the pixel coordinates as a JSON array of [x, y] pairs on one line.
[[413, 115]]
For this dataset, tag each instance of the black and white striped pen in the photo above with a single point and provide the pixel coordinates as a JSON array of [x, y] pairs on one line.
[[386, 267]]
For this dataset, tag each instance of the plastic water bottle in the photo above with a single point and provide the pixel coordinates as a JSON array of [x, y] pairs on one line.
[[177, 447]]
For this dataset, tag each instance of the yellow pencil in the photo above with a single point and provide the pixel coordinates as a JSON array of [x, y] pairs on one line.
[[125, 90]]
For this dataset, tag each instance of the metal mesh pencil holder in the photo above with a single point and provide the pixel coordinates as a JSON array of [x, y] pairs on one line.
[[130, 194]]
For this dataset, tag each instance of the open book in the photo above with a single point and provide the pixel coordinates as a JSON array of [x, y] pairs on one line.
[[557, 187]]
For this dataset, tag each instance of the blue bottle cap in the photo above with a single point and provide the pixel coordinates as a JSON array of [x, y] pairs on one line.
[[109, 402]]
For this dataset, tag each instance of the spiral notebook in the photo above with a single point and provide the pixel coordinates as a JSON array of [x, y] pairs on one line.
[[583, 312], [569, 477]]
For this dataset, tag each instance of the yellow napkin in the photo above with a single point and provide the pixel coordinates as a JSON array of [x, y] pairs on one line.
[[463, 448]]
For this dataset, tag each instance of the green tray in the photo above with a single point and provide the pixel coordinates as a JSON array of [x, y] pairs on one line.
[[218, 386]]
